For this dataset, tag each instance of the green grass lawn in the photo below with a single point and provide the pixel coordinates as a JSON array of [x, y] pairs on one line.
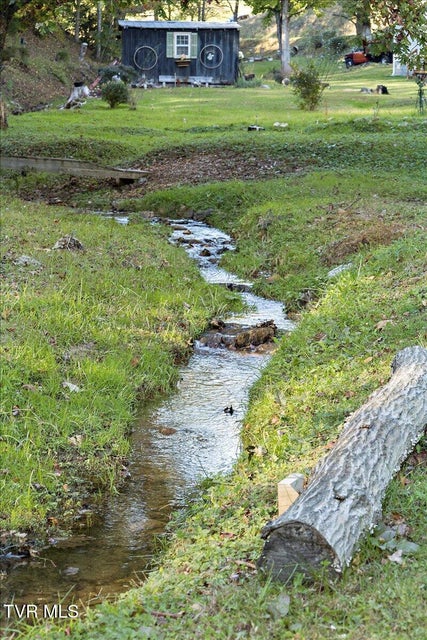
[[359, 198], [199, 116]]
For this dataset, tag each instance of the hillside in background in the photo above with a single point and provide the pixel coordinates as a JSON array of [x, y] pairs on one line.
[[308, 32], [39, 70]]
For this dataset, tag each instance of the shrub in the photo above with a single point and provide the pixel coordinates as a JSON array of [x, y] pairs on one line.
[[62, 56], [337, 44], [307, 86], [8, 53], [115, 92], [241, 83], [125, 73], [277, 75], [24, 55], [45, 28]]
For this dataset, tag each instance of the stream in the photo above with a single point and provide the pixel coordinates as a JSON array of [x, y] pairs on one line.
[[176, 442]]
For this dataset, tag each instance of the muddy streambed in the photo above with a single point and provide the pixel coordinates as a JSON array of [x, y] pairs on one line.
[[192, 434]]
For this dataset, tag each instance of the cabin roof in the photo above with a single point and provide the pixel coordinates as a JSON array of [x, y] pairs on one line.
[[176, 24]]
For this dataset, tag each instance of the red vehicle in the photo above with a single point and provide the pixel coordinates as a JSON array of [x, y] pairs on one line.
[[360, 57]]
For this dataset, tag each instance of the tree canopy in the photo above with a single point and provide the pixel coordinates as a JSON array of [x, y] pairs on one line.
[[282, 11], [400, 25], [403, 26], [80, 17], [8, 11]]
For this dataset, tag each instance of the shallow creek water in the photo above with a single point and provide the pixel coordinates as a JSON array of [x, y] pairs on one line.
[[175, 443]]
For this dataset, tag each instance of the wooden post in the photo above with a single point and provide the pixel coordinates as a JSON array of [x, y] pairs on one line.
[[322, 528], [288, 490]]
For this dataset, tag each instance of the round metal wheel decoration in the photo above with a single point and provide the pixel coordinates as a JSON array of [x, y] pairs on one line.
[[211, 56], [145, 58]]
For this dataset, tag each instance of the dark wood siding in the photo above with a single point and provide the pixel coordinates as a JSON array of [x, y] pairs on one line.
[[217, 53]]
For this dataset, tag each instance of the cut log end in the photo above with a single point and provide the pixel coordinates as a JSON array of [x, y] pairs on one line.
[[297, 548], [323, 527]]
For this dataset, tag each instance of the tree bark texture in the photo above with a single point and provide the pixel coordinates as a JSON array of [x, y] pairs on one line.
[[3, 115], [77, 21], [343, 500], [285, 51]]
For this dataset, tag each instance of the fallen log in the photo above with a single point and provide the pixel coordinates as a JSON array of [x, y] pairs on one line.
[[323, 527]]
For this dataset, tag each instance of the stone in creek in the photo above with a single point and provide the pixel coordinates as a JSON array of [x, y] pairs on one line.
[[71, 571], [255, 336], [167, 431], [217, 323], [233, 338]]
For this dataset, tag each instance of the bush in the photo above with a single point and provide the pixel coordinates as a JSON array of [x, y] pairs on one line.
[[24, 55], [115, 92], [8, 53], [125, 73], [307, 86], [276, 74], [62, 56], [241, 83], [337, 44]]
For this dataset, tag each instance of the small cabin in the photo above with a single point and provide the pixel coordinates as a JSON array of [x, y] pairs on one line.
[[202, 53]]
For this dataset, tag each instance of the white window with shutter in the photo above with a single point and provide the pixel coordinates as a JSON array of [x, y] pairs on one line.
[[181, 45]]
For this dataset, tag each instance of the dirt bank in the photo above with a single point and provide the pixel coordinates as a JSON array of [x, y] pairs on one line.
[[38, 71]]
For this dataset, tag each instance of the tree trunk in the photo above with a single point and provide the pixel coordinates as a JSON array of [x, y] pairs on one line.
[[285, 50], [7, 12], [363, 29], [343, 500], [77, 22], [3, 115], [363, 23], [98, 30], [236, 10], [279, 30], [363, 26], [6, 16], [3, 34]]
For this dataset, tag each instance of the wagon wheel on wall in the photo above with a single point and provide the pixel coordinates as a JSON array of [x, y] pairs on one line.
[[145, 58], [211, 56]]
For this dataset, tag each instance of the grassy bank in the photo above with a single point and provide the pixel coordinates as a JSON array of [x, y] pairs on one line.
[[193, 117], [341, 350], [291, 232], [86, 333], [355, 194]]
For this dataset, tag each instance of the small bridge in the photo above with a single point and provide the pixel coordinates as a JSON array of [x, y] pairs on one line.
[[73, 167]]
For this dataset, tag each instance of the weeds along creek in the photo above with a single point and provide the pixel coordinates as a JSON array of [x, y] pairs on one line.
[[176, 442]]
